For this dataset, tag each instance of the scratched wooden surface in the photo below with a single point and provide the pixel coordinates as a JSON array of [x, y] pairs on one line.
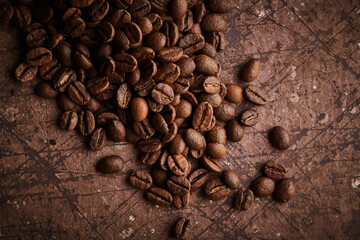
[[310, 54]]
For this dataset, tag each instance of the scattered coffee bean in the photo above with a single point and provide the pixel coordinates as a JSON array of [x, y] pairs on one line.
[[255, 95], [250, 70], [234, 131], [250, 117], [181, 201], [178, 185], [98, 139], [244, 199], [116, 130], [285, 190], [280, 138], [225, 112], [216, 190], [263, 186], [110, 164], [198, 178], [231, 179], [68, 120], [274, 170], [140, 180], [234, 93], [211, 164], [159, 196], [159, 176], [183, 227], [216, 135]]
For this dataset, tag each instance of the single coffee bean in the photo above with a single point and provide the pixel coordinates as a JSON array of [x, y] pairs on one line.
[[216, 190], [249, 117], [156, 21], [139, 109], [186, 22], [110, 164], [191, 43], [74, 27], [202, 116], [134, 34], [231, 179], [6, 13], [121, 41], [170, 135], [150, 145], [78, 93], [197, 153], [86, 123], [234, 93], [213, 22], [64, 102], [118, 77], [211, 165], [176, 100], [177, 164], [45, 90], [98, 139], [103, 118], [70, 13], [159, 123], [106, 32], [120, 17], [144, 86], [213, 99], [178, 8], [48, 71], [159, 6], [225, 112], [263, 186], [93, 105], [123, 96], [143, 129], [194, 139], [144, 24], [148, 68], [211, 85], [177, 145], [206, 65], [159, 196], [163, 160], [150, 158], [234, 131], [274, 170], [125, 62], [39, 56], [223, 90], [183, 227], [280, 138], [81, 3], [217, 40], [116, 130], [64, 54], [54, 40], [169, 113], [178, 185], [216, 150], [183, 109], [162, 94], [63, 78], [250, 70], [167, 73], [159, 176], [155, 40], [98, 10], [171, 32], [285, 190], [209, 50], [36, 36], [219, 6], [195, 28], [170, 54], [25, 72], [107, 68], [122, 4], [198, 178], [98, 85], [199, 12], [255, 95], [143, 53], [140, 8], [216, 135], [244, 199], [154, 106], [181, 201], [186, 65], [42, 13], [140, 179], [68, 120], [181, 85], [22, 16]]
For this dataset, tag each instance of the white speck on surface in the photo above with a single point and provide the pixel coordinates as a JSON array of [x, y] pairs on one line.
[[302, 4], [98, 190], [359, 42], [278, 234], [27, 222], [126, 233], [353, 110], [314, 87], [345, 93], [152, 230], [23, 203], [157, 206], [261, 14], [196, 223], [355, 183], [131, 218], [293, 72], [294, 97]]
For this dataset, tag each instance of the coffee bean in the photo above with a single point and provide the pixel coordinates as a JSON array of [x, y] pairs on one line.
[[234, 93], [155, 40], [177, 145], [209, 50], [144, 86], [150, 158], [70, 13], [6, 13], [190, 97], [121, 41], [170, 135], [167, 73], [216, 190], [159, 6], [107, 68], [216, 150], [48, 71], [22, 16], [140, 8], [183, 227], [156, 21], [143, 129], [255, 95], [64, 102], [93, 105], [63, 78], [159, 196], [206, 65], [181, 201], [194, 139], [98, 10], [217, 40], [25, 72], [74, 27], [36, 35], [162, 94], [216, 135], [171, 32], [186, 22], [143, 53], [45, 90], [134, 34], [163, 160], [186, 65], [213, 22], [250, 117], [191, 43], [234, 131], [39, 56], [211, 84], [202, 116], [285, 190], [159, 123], [213, 99], [98, 139], [116, 130], [197, 153], [178, 8], [42, 13], [148, 68], [178, 185], [106, 32], [64, 54], [177, 164], [219, 6], [139, 109], [78, 93], [103, 118], [68, 120], [125, 62], [183, 109], [263, 186], [150, 145], [81, 3], [250, 70], [122, 4], [159, 176], [225, 112], [274, 170], [199, 12], [154, 106], [140, 179], [231, 179], [86, 123], [280, 138], [211, 164], [131, 136], [120, 16], [54, 40], [110, 164], [198, 178], [123, 96], [170, 54], [244, 199], [144, 24]]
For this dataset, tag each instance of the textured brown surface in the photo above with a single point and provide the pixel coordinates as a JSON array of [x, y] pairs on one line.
[[310, 54]]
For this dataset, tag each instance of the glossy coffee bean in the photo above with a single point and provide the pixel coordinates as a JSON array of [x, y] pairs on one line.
[[97, 85], [213, 22], [110, 164], [74, 27], [144, 24], [244, 199], [125, 62], [64, 54], [155, 40], [183, 109], [140, 8], [106, 32], [178, 8], [68, 120], [231, 179], [120, 17], [39, 56], [181, 201], [98, 139], [198, 178], [123, 96], [213, 99], [139, 109], [285, 190], [78, 93], [191, 43], [171, 32], [148, 68], [211, 85], [162, 93], [194, 139], [116, 130], [177, 164], [202, 116], [217, 135], [143, 129], [48, 71], [225, 112], [280, 138], [144, 86], [255, 95], [234, 131], [250, 117], [206, 65], [63, 78], [219, 6], [186, 22], [234, 93], [216, 190], [93, 105], [211, 165], [140, 179], [178, 185], [183, 227], [263, 186], [150, 158], [209, 50], [171, 134], [133, 34], [98, 10], [274, 170], [159, 123], [186, 65], [168, 73], [250, 70], [170, 54], [86, 123], [143, 53], [104, 117], [150, 145], [159, 196], [25, 72], [177, 145], [216, 150]]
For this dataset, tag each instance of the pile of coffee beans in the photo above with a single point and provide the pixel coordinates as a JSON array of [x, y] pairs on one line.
[[146, 72]]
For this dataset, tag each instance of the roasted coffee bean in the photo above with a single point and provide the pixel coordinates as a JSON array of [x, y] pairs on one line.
[[285, 190], [139, 109], [202, 116], [133, 77], [183, 109], [213, 22], [42, 13], [143, 129], [197, 153], [280, 138], [216, 190], [121, 41], [155, 40], [159, 6], [250, 70], [194, 139], [98, 139], [211, 85], [86, 123], [122, 4], [190, 97], [178, 185], [209, 50], [216, 150], [216, 135], [255, 95], [274, 170], [120, 16], [22, 15], [169, 113], [54, 40], [107, 68], [186, 22], [177, 145], [25, 72], [45, 90], [223, 90], [181, 201], [148, 68], [131, 136], [191, 43], [163, 160], [93, 105], [178, 8], [70, 13], [144, 86], [81, 3], [116, 130], [110, 164], [134, 34], [150, 145], [183, 227], [231, 179], [177, 164], [263, 186], [170, 54], [176, 100], [195, 29], [150, 158], [186, 65], [211, 164], [106, 32], [143, 53], [154, 106], [144, 24], [234, 131], [244, 199], [63, 78], [198, 178], [123, 96], [64, 102], [219, 6], [170, 135], [171, 32], [36, 37], [167, 73], [140, 8], [159, 176], [234, 93], [217, 40], [156, 21], [159, 196], [250, 117], [39, 56], [181, 85], [64, 54], [159, 123], [140, 179], [74, 27], [199, 12], [78, 93], [98, 85], [68, 120], [6, 13], [162, 94], [98, 10], [225, 112], [125, 62], [48, 71], [103, 118], [206, 65]]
